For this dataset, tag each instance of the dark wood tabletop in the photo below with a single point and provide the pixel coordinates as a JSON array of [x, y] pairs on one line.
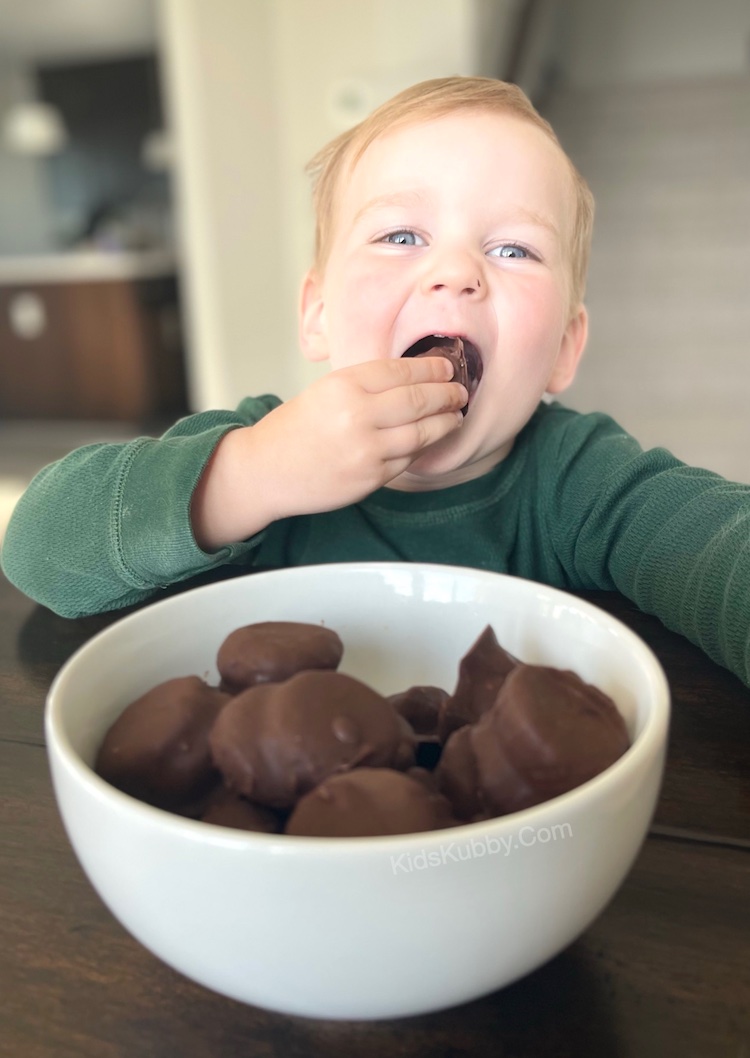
[[664, 970]]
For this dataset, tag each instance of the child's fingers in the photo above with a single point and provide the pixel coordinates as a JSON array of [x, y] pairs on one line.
[[408, 404], [405, 442], [377, 376]]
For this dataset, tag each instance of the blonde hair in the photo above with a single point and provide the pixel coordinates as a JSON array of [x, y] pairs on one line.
[[422, 102]]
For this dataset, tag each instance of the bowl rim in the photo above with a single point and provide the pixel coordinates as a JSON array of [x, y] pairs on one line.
[[648, 742]]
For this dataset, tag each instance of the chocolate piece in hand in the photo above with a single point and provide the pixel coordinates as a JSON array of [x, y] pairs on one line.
[[157, 749], [272, 651], [274, 742], [481, 673], [370, 802], [451, 349]]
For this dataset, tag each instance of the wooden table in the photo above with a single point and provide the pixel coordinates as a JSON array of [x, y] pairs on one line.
[[664, 971]]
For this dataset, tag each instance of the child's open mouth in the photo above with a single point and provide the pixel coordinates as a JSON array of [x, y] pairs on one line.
[[465, 357]]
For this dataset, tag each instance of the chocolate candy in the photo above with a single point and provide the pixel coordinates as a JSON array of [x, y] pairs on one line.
[[427, 710], [421, 707], [272, 651], [341, 758], [228, 809], [458, 777], [274, 742], [157, 749], [481, 674], [370, 802], [546, 733], [451, 349]]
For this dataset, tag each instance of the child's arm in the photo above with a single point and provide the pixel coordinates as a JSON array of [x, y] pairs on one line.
[[673, 538], [111, 524], [349, 433]]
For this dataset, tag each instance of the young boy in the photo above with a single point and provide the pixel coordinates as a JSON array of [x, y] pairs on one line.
[[451, 211]]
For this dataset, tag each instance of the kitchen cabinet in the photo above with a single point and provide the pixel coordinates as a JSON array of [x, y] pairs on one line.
[[89, 342]]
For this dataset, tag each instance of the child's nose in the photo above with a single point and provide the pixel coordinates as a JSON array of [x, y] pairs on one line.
[[457, 272]]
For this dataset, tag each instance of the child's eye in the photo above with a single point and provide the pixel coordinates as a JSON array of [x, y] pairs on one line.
[[403, 237], [510, 249]]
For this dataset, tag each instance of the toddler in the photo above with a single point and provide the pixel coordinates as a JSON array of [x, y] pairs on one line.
[[449, 212]]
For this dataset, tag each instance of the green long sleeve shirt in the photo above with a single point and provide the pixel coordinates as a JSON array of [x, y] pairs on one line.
[[577, 504]]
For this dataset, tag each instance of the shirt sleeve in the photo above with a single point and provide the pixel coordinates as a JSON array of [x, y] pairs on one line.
[[674, 539], [109, 524]]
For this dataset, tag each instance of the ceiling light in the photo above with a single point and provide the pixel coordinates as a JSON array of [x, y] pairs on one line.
[[34, 128]]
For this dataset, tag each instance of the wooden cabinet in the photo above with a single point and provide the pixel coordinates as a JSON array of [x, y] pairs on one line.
[[103, 349]]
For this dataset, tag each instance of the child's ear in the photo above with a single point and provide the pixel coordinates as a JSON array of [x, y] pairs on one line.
[[312, 334], [571, 350]]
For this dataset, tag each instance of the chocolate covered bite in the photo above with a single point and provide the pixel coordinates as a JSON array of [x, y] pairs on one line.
[[515, 735], [228, 809], [274, 742], [157, 749], [481, 673], [272, 651], [421, 707], [451, 349], [557, 732], [547, 732], [369, 802], [457, 776], [467, 364], [427, 710]]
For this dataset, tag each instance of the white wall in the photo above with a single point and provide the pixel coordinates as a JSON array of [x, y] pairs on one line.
[[654, 108], [255, 89], [610, 42], [219, 82]]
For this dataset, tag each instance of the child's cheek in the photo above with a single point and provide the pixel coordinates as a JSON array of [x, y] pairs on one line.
[[539, 313], [532, 331], [362, 305], [371, 297]]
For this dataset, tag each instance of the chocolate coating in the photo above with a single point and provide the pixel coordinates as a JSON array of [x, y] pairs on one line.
[[451, 349], [547, 733], [423, 776], [481, 673], [228, 809], [427, 710], [272, 651], [157, 749], [274, 742], [557, 732], [369, 802], [420, 706], [457, 776]]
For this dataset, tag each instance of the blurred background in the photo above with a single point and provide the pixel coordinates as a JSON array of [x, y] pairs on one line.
[[155, 220]]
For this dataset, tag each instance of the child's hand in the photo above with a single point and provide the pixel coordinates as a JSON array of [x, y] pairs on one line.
[[346, 435], [356, 429]]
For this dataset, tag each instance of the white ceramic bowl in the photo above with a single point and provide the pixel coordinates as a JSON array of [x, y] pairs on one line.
[[360, 927]]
